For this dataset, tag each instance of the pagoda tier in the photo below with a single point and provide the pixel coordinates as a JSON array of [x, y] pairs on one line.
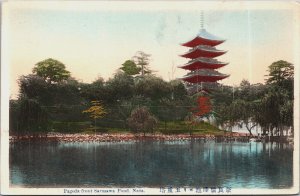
[[204, 75], [204, 38], [203, 63], [203, 51]]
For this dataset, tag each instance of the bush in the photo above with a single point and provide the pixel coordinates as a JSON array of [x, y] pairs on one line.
[[142, 121]]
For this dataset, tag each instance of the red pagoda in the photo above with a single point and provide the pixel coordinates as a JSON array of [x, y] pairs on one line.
[[202, 64]]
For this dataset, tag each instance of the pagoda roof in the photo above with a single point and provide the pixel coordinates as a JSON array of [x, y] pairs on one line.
[[203, 51], [200, 78], [205, 75], [204, 38], [203, 63]]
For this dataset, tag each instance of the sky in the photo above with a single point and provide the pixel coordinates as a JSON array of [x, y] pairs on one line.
[[93, 38]]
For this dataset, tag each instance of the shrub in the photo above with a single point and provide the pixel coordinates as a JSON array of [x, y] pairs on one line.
[[141, 120]]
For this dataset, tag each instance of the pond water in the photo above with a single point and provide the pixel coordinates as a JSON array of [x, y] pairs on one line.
[[152, 164]]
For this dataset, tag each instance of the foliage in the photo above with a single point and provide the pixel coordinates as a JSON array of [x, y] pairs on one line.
[[95, 111], [204, 106], [190, 121], [153, 87], [34, 87], [243, 113], [270, 106], [280, 72], [178, 90], [51, 70], [121, 86], [130, 101], [276, 111], [32, 117], [141, 120], [14, 109], [142, 59], [95, 91], [130, 68], [172, 110]]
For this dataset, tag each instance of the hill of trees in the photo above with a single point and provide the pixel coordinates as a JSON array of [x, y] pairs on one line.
[[134, 99]]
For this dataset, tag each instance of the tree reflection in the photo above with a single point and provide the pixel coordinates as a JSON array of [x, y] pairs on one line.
[[154, 164]]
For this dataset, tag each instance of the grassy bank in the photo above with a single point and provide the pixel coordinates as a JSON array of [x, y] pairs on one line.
[[171, 127]]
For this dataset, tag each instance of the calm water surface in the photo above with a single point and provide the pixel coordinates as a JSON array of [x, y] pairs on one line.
[[152, 164]]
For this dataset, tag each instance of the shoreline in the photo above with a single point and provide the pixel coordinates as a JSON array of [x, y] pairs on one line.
[[123, 137]]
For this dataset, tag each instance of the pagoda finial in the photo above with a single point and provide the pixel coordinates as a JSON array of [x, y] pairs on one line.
[[202, 19]]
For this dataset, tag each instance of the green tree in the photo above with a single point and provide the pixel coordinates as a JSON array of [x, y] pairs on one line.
[[167, 110], [281, 74], [178, 90], [244, 114], [97, 90], [190, 122], [96, 111], [244, 90], [278, 102], [121, 86], [153, 87], [34, 87], [32, 117], [142, 59], [57, 98], [275, 111], [51, 70], [130, 68], [280, 71]]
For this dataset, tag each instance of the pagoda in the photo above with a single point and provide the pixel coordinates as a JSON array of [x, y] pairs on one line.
[[202, 65]]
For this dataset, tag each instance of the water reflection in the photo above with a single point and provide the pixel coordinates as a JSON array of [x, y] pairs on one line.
[[152, 164]]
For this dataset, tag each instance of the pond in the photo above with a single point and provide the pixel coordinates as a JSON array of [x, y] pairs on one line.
[[151, 164]]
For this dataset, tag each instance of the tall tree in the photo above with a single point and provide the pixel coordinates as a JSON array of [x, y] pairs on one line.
[[51, 70], [281, 74], [142, 59], [279, 99]]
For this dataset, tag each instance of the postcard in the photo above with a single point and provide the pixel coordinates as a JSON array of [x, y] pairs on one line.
[[150, 97]]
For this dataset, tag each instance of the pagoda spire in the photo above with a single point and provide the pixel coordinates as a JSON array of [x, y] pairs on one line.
[[202, 19]]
